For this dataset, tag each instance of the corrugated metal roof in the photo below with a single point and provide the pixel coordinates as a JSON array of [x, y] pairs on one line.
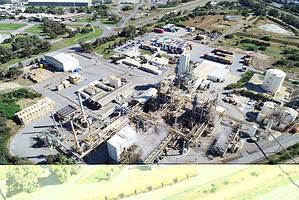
[[64, 58]]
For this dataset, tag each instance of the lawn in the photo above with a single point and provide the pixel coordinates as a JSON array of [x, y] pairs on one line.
[[74, 40], [36, 29], [107, 21], [7, 26], [146, 52], [86, 20]]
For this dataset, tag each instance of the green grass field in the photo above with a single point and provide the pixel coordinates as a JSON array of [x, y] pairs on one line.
[[36, 29], [7, 26], [79, 37], [86, 20], [107, 21]]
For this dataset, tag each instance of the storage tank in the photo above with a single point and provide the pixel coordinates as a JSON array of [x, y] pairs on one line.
[[260, 117], [287, 115], [268, 108], [273, 80]]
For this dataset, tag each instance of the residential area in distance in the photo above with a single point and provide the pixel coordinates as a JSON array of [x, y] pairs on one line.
[[131, 82]]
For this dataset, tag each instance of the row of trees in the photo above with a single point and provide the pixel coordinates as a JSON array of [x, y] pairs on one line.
[[50, 9], [100, 9]]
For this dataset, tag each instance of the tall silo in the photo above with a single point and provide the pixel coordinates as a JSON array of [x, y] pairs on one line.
[[273, 80]]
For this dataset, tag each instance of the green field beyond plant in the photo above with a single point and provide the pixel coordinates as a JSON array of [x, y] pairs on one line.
[[7, 26]]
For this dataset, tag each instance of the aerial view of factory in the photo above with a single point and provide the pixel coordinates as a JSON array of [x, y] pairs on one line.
[[166, 93]]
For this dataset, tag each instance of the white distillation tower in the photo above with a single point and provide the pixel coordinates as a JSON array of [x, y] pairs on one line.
[[273, 80]]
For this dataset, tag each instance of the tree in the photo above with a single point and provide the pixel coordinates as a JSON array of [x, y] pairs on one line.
[[22, 179], [274, 13], [13, 73], [128, 31], [126, 8], [86, 46], [45, 45], [64, 172]]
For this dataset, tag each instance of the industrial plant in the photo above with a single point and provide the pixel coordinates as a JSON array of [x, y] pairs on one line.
[[161, 99]]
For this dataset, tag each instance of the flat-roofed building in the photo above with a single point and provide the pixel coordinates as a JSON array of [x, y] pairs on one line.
[[69, 3]]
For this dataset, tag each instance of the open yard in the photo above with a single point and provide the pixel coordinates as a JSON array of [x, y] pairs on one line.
[[8, 26], [267, 27], [280, 55], [211, 22]]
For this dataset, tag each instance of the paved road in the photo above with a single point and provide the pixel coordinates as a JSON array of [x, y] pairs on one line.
[[285, 140]]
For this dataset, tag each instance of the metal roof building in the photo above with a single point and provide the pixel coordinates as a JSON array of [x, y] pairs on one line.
[[63, 62], [69, 3], [119, 142]]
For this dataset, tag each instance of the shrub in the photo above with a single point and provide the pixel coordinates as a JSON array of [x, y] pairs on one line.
[[266, 38]]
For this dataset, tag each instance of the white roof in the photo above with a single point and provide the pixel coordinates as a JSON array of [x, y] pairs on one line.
[[219, 73], [220, 109], [124, 138], [147, 95], [64, 58], [59, 1], [210, 68], [130, 61], [159, 61], [276, 72]]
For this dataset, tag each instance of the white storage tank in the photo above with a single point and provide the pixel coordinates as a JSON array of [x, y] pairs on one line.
[[287, 115], [273, 80], [183, 65], [260, 117], [268, 108]]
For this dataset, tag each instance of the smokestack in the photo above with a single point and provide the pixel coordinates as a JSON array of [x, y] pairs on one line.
[[54, 121], [81, 106], [75, 135]]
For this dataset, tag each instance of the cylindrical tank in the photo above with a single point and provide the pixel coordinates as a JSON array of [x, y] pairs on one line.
[[273, 80], [268, 108], [287, 115], [260, 117]]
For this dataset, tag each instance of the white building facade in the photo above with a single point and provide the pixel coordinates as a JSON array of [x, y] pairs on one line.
[[68, 3], [63, 62]]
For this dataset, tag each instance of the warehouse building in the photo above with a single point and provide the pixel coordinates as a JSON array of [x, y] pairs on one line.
[[63, 62], [69, 3], [208, 70]]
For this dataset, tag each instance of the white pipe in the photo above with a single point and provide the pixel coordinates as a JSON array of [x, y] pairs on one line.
[[81, 106]]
